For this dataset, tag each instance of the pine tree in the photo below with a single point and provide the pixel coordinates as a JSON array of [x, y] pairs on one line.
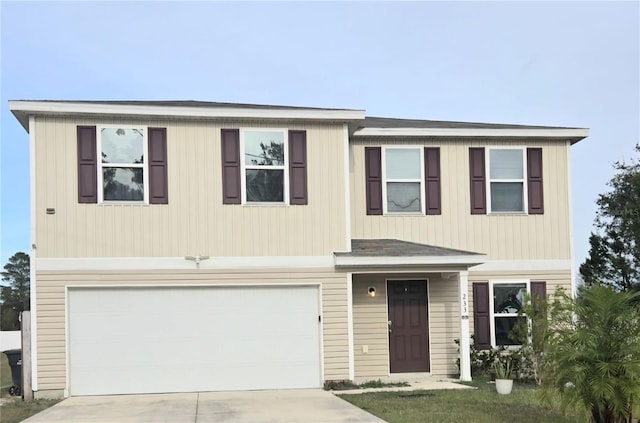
[[614, 255], [15, 295]]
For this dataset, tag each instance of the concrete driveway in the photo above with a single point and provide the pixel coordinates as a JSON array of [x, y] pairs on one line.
[[312, 405]]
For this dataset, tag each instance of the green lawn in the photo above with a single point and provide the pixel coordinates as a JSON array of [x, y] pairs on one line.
[[15, 410], [5, 375], [482, 405]]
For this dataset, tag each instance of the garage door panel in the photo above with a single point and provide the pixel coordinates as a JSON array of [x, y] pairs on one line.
[[153, 340]]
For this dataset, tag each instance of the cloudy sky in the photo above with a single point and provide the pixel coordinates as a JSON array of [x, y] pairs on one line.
[[541, 63]]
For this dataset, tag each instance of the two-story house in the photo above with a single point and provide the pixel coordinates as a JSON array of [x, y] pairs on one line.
[[185, 246]]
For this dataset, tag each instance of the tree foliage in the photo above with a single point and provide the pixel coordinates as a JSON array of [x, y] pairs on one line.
[[593, 353], [15, 294], [614, 256]]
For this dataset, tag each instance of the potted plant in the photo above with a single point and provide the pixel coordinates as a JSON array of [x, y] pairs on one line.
[[502, 369]]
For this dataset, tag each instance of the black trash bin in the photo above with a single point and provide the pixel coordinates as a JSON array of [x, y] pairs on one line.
[[15, 362]]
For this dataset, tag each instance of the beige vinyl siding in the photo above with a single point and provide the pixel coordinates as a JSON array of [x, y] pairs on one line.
[[500, 236], [444, 324], [370, 323], [370, 327], [51, 302], [195, 222]]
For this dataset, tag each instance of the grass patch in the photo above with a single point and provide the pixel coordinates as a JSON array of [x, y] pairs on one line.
[[482, 405], [5, 375], [15, 410], [380, 384]]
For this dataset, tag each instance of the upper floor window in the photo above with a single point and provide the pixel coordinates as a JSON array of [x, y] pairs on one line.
[[507, 188], [403, 180], [264, 166], [510, 177], [122, 172], [120, 163]]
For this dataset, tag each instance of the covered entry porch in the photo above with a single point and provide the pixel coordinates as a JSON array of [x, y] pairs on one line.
[[408, 302]]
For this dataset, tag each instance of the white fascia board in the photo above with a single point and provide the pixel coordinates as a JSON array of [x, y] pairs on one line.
[[42, 107], [563, 133], [182, 263], [523, 266], [351, 261]]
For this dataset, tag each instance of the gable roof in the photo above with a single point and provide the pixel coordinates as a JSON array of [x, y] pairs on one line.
[[22, 109], [390, 127], [360, 125], [391, 252]]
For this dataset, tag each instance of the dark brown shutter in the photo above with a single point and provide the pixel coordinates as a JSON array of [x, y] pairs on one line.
[[534, 180], [158, 184], [432, 180], [538, 293], [373, 171], [477, 179], [231, 166], [481, 315], [297, 167], [87, 165]]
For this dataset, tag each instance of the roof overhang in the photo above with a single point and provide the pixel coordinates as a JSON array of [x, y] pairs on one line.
[[571, 134], [22, 109], [396, 254], [409, 261]]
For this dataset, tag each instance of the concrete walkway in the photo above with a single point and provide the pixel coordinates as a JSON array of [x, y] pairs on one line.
[[294, 406]]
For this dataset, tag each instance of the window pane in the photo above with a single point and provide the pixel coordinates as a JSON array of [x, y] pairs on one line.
[[403, 197], [122, 145], [508, 297], [506, 197], [265, 185], [504, 326], [403, 163], [264, 148], [122, 184], [505, 164]]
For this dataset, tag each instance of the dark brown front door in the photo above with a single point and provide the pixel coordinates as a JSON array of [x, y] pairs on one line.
[[408, 326]]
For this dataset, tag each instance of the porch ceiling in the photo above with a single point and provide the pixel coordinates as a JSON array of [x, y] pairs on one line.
[[393, 253]]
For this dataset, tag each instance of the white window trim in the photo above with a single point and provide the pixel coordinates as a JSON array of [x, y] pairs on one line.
[[144, 166], [385, 211], [492, 323], [285, 167], [525, 193]]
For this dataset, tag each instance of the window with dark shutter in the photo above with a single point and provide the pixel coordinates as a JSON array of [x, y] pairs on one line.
[[534, 181], [373, 175], [481, 315], [477, 181], [87, 165], [157, 144], [231, 191], [298, 167], [432, 180]]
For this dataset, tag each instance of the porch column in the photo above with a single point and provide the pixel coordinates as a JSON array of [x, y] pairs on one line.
[[465, 362]]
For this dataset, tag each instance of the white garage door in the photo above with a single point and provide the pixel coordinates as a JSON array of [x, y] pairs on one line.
[[154, 340]]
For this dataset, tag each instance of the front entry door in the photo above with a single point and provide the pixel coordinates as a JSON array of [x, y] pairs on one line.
[[408, 326]]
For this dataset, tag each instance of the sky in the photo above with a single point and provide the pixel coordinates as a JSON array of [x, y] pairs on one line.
[[572, 64]]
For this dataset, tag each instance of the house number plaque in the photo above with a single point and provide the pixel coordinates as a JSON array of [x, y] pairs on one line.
[[464, 305]]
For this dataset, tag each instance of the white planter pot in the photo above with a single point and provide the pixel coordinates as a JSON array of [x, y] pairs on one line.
[[504, 386]]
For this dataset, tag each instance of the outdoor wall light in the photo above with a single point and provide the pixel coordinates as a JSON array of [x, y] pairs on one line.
[[372, 291]]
